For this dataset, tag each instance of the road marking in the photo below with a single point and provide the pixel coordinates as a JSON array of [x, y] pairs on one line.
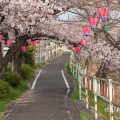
[[35, 81], [68, 112], [66, 82]]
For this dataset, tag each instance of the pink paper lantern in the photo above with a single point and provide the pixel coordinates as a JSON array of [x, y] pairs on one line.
[[37, 41], [9, 43], [28, 41], [83, 42], [86, 30], [23, 48], [33, 43], [103, 12], [77, 49], [1, 37], [93, 22]]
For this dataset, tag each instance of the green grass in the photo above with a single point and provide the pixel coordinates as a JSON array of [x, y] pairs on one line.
[[41, 65], [3, 105], [85, 116], [27, 72], [14, 93], [75, 95], [101, 105]]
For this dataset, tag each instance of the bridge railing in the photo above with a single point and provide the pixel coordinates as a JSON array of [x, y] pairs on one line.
[[104, 89]]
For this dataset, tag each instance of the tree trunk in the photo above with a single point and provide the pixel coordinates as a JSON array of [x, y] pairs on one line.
[[103, 70], [1, 61], [17, 62], [9, 55]]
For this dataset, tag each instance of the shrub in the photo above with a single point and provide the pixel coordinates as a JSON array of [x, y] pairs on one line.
[[29, 56], [9, 67], [27, 72], [12, 78], [4, 89], [40, 65]]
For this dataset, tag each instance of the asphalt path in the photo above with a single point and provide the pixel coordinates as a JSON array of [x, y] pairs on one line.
[[49, 98]]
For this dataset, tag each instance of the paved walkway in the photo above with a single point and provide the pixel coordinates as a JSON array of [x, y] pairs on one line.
[[48, 100]]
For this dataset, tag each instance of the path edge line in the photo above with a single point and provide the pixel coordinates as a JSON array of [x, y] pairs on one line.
[[35, 81], [65, 80]]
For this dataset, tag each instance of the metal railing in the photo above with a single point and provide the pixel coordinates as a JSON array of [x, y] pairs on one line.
[[102, 88]]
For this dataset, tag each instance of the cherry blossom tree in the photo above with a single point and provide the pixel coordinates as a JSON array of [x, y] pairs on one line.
[[103, 45], [22, 20]]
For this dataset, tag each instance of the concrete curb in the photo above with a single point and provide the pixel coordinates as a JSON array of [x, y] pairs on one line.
[[81, 106]]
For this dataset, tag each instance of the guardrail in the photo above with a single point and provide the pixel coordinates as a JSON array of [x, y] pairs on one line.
[[102, 88]]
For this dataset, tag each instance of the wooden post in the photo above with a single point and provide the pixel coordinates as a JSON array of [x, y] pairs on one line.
[[110, 99], [98, 88], [107, 91], [95, 96], [86, 83]]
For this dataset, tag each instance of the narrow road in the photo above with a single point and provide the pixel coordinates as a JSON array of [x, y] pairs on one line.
[[48, 100]]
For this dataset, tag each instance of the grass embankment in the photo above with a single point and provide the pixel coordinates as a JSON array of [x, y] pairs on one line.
[[101, 105], [15, 92], [75, 95], [85, 116]]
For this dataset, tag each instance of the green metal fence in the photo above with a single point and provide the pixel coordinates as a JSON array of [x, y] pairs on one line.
[[97, 93]]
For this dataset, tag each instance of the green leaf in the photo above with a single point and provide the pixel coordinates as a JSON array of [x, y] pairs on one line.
[[92, 29], [106, 26]]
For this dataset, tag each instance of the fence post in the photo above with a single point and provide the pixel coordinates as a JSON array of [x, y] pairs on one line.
[[86, 93], [110, 99], [95, 96], [79, 81], [76, 72], [73, 68], [70, 64], [40, 54], [87, 99], [98, 87]]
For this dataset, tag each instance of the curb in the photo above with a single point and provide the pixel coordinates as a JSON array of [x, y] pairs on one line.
[[81, 106]]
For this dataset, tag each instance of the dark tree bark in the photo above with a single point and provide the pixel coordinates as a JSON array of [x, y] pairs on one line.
[[17, 62], [103, 70], [1, 57], [9, 55]]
